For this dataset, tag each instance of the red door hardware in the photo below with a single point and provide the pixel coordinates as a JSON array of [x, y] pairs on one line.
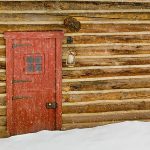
[[33, 81]]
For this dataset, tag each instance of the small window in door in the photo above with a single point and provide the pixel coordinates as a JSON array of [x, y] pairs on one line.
[[33, 64]]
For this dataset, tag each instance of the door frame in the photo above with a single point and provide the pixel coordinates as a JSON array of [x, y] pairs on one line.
[[9, 37]]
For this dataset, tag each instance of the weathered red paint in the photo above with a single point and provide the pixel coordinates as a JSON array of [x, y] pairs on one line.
[[29, 89]]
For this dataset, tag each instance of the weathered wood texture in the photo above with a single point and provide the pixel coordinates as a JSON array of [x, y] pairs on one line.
[[106, 106], [68, 126], [110, 80]]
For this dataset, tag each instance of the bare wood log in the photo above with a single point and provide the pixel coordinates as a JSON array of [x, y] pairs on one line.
[[73, 12], [90, 39], [106, 106], [60, 22], [2, 62], [2, 74], [92, 124], [109, 61], [2, 41], [103, 44], [106, 116], [105, 71], [2, 120], [125, 18], [68, 126], [2, 87], [133, 1], [3, 134], [2, 110], [36, 27], [106, 83], [72, 5], [85, 28], [80, 96], [108, 50], [2, 99]]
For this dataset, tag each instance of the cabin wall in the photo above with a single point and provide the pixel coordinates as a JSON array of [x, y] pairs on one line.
[[111, 78]]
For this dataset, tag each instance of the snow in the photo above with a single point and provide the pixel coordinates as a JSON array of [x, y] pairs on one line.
[[128, 135]]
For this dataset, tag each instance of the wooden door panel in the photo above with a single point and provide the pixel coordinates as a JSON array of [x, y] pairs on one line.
[[33, 81], [35, 86]]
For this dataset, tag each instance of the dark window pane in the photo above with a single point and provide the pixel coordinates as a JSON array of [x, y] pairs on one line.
[[29, 59], [38, 59], [38, 68], [30, 68]]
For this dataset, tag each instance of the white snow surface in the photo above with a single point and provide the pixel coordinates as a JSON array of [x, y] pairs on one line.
[[127, 135]]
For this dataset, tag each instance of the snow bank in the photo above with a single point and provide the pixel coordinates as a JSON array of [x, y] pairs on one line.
[[120, 136]]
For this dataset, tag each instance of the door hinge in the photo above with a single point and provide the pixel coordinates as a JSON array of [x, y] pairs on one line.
[[20, 81], [20, 97], [20, 45], [51, 105]]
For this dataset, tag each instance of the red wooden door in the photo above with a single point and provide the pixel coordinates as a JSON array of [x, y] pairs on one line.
[[33, 81]]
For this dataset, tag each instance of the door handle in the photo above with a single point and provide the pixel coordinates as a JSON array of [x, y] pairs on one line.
[[51, 105]]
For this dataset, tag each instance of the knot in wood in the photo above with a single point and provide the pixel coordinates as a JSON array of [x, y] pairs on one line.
[[72, 24]]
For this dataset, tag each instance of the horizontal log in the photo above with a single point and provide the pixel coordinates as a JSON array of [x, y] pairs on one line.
[[2, 41], [120, 94], [106, 67], [2, 75], [106, 34], [68, 126], [91, 39], [115, 18], [72, 4], [36, 27], [61, 22], [104, 44], [85, 28], [2, 63], [104, 72], [106, 116], [105, 78], [92, 124], [73, 11], [104, 57], [2, 128], [89, 61], [106, 106], [2, 110], [2, 120], [4, 134], [107, 83], [80, 15], [107, 50], [3, 99], [2, 87], [131, 1], [142, 33], [2, 46], [112, 28]]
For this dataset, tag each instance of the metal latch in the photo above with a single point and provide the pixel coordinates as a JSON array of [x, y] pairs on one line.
[[52, 105]]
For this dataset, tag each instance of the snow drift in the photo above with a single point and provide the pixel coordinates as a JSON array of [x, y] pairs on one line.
[[120, 136]]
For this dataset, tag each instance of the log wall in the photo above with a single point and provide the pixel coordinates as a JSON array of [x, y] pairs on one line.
[[111, 78]]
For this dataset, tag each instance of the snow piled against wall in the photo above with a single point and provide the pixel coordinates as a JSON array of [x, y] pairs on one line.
[[120, 136]]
